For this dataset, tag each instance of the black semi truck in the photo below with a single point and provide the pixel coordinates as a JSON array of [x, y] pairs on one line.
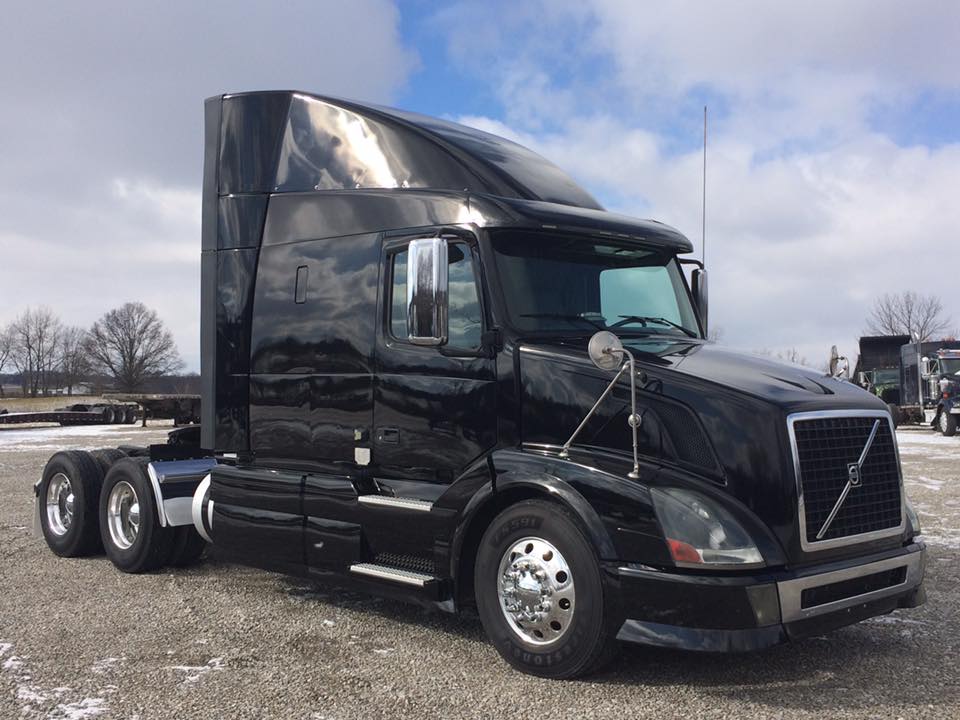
[[888, 367], [435, 368]]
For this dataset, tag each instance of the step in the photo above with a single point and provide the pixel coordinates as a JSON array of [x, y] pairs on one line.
[[399, 503], [391, 574]]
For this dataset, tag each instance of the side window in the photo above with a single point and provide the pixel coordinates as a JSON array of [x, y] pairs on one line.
[[466, 320], [398, 301], [464, 314]]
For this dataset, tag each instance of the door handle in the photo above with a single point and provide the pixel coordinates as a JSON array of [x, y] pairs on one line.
[[388, 435]]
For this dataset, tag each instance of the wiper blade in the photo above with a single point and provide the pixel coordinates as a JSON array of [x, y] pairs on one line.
[[643, 320], [564, 316]]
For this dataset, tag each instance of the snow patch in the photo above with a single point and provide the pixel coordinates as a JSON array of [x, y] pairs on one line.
[[926, 482], [105, 665], [193, 673], [80, 710], [950, 541], [77, 437], [33, 698]]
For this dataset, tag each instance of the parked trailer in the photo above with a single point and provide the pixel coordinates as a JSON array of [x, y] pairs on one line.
[[78, 414], [434, 368], [183, 409]]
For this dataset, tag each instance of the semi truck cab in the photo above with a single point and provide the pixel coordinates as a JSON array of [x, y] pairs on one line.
[[435, 368], [941, 371]]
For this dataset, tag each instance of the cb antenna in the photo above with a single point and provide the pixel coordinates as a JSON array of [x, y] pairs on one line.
[[703, 206]]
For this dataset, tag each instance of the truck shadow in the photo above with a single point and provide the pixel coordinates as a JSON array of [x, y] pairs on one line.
[[867, 665]]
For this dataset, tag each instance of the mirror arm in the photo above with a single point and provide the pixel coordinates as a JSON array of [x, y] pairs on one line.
[[633, 421], [565, 450]]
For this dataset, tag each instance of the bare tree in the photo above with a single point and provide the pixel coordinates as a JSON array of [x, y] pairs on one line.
[[792, 355], [908, 313], [131, 344], [6, 348], [73, 357], [36, 337]]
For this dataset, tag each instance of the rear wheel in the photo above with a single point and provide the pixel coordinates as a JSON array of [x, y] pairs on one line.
[[947, 422], [69, 492], [540, 594], [129, 523], [106, 457]]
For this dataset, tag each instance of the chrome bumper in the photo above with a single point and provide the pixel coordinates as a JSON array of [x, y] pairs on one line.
[[791, 591]]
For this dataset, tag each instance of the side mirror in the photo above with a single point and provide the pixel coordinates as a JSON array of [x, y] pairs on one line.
[[427, 291], [699, 281], [605, 350]]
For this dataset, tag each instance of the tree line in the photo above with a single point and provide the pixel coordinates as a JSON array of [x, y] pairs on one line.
[[128, 345]]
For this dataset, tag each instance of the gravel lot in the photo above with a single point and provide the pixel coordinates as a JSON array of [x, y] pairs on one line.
[[80, 640]]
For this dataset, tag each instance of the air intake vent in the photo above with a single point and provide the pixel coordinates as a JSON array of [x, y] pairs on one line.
[[688, 439]]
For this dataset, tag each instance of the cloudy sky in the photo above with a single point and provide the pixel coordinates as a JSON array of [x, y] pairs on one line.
[[834, 159]]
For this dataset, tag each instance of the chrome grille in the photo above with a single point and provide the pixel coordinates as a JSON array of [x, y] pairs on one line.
[[825, 445]]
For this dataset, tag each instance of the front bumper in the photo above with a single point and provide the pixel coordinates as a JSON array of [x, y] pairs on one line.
[[737, 613]]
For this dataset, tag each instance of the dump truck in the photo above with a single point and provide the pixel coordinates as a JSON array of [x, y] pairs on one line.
[[436, 369]]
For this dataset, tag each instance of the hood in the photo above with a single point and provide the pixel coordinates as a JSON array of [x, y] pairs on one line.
[[792, 388], [707, 412]]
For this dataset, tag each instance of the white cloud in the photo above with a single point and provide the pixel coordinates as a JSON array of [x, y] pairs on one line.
[[798, 246], [811, 211], [103, 118]]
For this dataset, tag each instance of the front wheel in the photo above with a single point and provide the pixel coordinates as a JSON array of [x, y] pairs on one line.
[[947, 423], [540, 594]]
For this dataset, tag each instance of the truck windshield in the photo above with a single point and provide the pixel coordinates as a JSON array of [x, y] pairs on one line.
[[950, 366], [886, 376], [561, 283]]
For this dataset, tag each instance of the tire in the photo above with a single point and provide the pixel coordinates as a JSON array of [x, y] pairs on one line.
[[107, 416], [69, 495], [133, 547], [546, 536], [947, 423], [895, 414], [188, 546], [105, 458]]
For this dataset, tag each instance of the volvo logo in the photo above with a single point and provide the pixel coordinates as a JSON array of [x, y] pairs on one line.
[[853, 474]]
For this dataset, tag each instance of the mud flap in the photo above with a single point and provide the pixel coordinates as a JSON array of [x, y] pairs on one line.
[[36, 531]]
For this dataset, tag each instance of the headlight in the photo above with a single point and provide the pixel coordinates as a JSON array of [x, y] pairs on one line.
[[699, 532]]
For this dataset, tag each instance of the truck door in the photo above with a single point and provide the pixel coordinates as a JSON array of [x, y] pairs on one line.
[[434, 407]]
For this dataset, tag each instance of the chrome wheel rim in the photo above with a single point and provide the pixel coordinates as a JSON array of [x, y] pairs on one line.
[[536, 593], [123, 515], [60, 501], [943, 422]]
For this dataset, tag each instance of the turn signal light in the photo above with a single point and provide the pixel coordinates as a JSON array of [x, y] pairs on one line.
[[683, 552]]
